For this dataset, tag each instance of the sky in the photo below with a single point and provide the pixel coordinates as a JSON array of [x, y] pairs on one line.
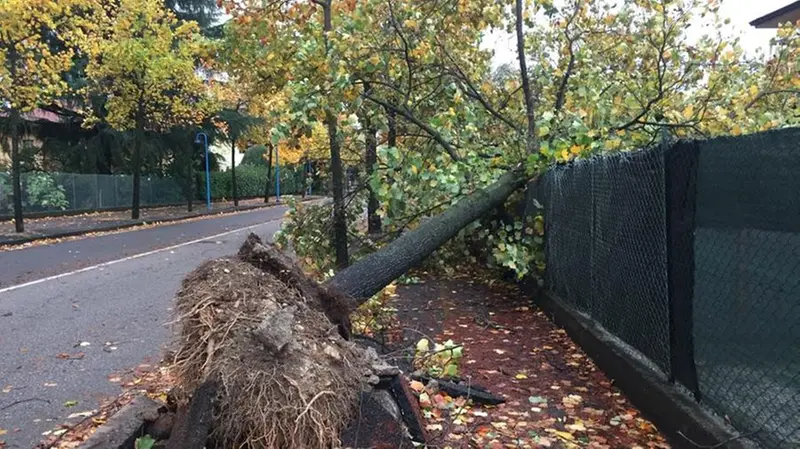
[[741, 13]]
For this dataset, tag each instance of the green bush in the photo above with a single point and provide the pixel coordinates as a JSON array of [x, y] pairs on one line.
[[44, 193], [6, 197], [250, 181], [255, 156]]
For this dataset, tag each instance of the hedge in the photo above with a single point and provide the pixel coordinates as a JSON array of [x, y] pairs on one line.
[[250, 182]]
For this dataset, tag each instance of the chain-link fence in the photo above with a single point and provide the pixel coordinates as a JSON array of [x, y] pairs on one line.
[[690, 254], [69, 192], [56, 192]]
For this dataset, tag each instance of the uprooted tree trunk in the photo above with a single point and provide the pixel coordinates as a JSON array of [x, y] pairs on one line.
[[273, 344], [369, 275]]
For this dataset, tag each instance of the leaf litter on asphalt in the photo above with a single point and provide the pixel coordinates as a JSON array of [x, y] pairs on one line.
[[555, 396], [140, 380]]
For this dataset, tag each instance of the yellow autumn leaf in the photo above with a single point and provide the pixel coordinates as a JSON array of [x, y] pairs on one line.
[[577, 426], [688, 112], [564, 435], [520, 376], [753, 90], [575, 149], [613, 144]]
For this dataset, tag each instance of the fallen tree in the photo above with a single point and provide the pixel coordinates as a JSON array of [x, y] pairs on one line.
[[369, 275], [273, 346], [256, 331]]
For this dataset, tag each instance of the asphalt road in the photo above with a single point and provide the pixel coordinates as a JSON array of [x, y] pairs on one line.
[[113, 290]]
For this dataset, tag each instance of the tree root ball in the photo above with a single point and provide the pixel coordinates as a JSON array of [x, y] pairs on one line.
[[256, 326]]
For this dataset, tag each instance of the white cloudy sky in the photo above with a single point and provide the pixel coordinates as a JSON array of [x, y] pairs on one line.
[[741, 13]]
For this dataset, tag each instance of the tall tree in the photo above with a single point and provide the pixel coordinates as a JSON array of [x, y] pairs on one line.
[[205, 12], [145, 66], [337, 170], [235, 123], [31, 69]]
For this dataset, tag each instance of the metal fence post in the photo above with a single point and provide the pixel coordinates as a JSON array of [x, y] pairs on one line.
[[680, 188]]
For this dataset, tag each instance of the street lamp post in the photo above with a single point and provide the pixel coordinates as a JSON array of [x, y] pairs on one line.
[[208, 170]]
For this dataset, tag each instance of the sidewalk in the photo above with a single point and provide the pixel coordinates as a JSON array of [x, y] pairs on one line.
[[72, 225]]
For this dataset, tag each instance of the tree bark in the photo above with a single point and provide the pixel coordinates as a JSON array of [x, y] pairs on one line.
[[530, 103], [269, 173], [370, 274], [189, 176], [305, 179], [371, 159], [137, 161], [194, 423], [392, 124], [339, 212], [337, 173], [234, 193], [16, 170]]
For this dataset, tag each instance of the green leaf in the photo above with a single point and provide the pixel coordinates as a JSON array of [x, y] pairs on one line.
[[145, 442], [537, 400]]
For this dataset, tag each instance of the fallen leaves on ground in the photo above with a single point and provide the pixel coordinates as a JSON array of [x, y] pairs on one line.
[[143, 379], [556, 396]]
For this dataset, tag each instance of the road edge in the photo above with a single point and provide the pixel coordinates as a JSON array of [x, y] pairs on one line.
[[119, 227]]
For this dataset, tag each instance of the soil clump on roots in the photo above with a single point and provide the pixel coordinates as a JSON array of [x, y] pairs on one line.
[[271, 340]]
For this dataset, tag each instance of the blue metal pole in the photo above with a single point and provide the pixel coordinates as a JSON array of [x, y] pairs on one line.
[[277, 177]]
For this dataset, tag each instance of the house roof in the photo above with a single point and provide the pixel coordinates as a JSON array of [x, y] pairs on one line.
[[54, 114], [789, 13]]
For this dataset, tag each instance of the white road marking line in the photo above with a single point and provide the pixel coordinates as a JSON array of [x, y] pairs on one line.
[[135, 256]]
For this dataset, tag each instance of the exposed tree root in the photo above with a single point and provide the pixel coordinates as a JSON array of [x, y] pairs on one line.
[[263, 332]]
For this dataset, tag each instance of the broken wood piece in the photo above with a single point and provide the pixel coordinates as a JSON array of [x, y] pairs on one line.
[[409, 408], [477, 393], [193, 426]]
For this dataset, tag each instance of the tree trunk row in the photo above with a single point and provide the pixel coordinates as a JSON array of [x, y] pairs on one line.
[[269, 173], [233, 174], [16, 170], [337, 173]]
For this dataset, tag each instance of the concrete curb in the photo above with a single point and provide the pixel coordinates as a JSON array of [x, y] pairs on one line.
[[127, 424], [117, 227], [671, 409]]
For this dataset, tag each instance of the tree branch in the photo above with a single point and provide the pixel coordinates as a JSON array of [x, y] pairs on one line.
[[562, 88], [762, 95], [530, 112], [472, 92], [451, 150], [406, 54]]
